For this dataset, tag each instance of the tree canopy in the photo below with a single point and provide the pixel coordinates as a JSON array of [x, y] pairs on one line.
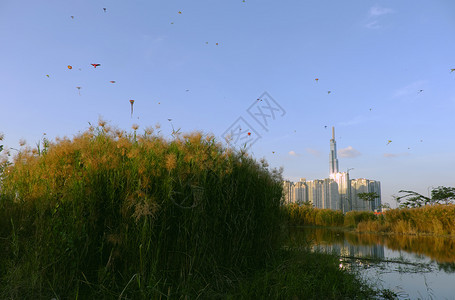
[[439, 195], [368, 196]]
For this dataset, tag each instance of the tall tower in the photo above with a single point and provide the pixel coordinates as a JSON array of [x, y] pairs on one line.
[[333, 155]]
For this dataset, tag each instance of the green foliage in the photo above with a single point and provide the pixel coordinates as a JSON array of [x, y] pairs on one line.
[[443, 195], [439, 195], [110, 214], [412, 199], [368, 196], [304, 275]]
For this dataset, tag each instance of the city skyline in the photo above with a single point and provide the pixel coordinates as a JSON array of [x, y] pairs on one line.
[[337, 192]]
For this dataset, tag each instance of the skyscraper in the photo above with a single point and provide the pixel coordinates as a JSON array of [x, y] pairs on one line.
[[333, 155], [338, 192]]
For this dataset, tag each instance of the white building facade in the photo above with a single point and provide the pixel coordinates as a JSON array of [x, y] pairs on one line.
[[338, 192]]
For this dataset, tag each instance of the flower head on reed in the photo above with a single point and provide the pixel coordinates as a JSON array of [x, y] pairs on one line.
[[171, 161], [101, 122], [149, 130]]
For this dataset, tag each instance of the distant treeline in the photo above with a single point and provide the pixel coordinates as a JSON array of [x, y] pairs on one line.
[[438, 219]]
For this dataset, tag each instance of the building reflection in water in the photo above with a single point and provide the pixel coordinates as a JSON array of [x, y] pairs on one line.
[[351, 251]]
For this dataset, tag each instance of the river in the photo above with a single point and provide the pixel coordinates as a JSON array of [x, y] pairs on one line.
[[413, 267]]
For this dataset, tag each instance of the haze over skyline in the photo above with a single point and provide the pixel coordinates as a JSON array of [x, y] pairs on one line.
[[383, 71]]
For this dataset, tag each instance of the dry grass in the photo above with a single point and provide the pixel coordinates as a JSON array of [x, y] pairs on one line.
[[307, 215], [431, 219]]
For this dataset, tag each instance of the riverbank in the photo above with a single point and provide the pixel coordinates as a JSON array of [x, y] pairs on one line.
[[437, 220], [302, 274], [410, 266], [111, 214]]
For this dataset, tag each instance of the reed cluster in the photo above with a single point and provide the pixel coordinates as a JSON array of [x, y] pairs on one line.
[[307, 215], [438, 219], [112, 214]]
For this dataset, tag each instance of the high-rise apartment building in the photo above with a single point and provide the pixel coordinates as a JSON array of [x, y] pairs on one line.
[[338, 192]]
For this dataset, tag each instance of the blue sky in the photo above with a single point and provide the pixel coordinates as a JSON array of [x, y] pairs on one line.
[[373, 56]]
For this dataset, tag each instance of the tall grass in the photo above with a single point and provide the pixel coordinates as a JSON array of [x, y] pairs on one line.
[[353, 218], [306, 215], [431, 219], [436, 219], [116, 214], [306, 275]]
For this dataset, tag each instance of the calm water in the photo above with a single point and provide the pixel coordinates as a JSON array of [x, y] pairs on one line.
[[413, 267]]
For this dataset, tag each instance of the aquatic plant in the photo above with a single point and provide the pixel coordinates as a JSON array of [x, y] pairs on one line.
[[110, 213]]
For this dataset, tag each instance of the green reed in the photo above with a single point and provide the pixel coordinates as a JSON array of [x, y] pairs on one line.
[[115, 214]]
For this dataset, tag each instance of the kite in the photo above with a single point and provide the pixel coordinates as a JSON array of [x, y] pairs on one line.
[[272, 151], [132, 102], [325, 126], [47, 75], [79, 90], [388, 142], [169, 120], [206, 43], [70, 67], [328, 92], [72, 17], [172, 22], [249, 133], [112, 81], [95, 65], [180, 12], [370, 109], [216, 44], [316, 79], [452, 70], [187, 90], [104, 8], [420, 91]]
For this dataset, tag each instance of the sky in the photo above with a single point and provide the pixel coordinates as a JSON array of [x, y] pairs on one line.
[[245, 71]]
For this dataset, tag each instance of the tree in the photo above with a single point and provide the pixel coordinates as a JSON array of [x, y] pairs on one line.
[[368, 196], [439, 195], [443, 195], [412, 199]]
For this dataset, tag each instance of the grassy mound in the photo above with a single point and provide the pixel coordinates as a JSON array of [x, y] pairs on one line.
[[116, 214]]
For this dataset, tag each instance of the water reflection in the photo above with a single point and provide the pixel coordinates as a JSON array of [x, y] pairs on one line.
[[348, 243], [414, 267]]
